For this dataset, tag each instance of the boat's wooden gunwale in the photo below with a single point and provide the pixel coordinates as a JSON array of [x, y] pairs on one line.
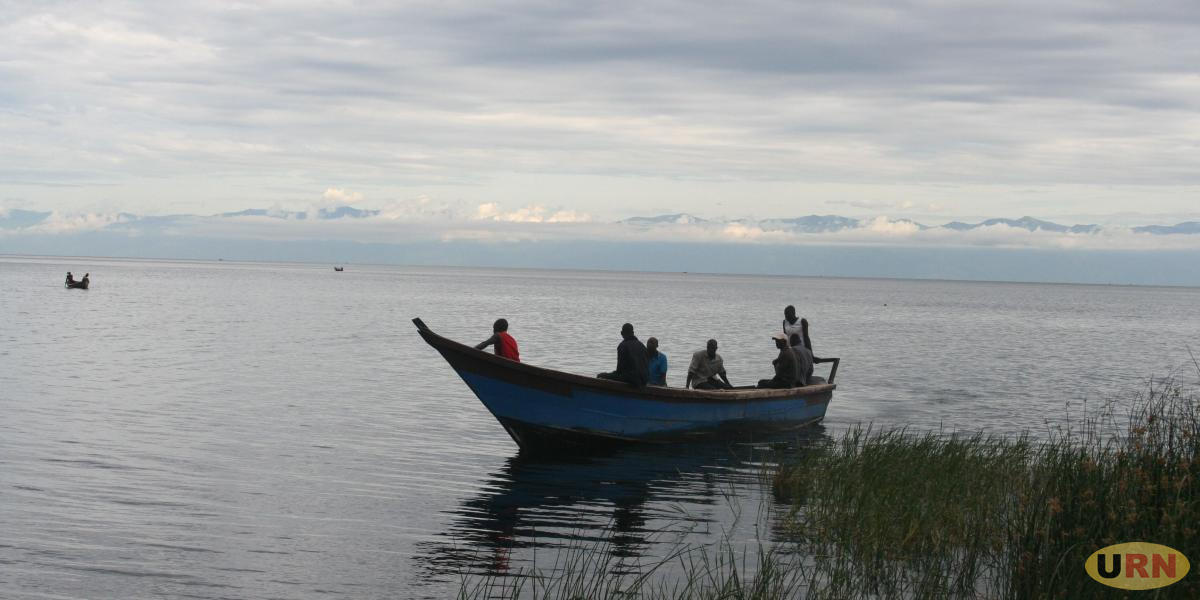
[[534, 374]]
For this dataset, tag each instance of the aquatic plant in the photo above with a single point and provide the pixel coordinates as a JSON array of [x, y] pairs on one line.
[[896, 513], [900, 514]]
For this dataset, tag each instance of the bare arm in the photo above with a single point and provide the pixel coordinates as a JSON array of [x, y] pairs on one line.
[[488, 342], [804, 331]]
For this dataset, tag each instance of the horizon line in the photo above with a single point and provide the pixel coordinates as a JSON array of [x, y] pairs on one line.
[[217, 261]]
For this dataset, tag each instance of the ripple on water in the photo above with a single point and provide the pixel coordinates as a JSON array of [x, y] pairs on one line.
[[270, 431]]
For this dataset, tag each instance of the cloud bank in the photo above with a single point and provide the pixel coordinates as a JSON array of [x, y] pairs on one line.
[[534, 213], [909, 108], [425, 219]]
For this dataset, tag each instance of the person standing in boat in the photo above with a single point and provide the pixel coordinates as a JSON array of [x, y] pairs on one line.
[[705, 369], [70, 278], [787, 366], [796, 330], [804, 359], [632, 362], [85, 279], [658, 363], [506, 346]]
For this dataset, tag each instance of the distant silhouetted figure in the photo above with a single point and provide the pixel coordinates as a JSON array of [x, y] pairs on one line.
[[706, 367], [85, 279], [70, 278], [658, 363], [632, 363], [787, 366], [506, 346]]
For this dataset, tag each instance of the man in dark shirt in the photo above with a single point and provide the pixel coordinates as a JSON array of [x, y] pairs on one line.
[[633, 367], [787, 366]]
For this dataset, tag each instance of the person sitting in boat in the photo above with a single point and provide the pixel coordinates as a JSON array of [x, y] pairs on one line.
[[70, 278], [705, 368], [632, 362], [796, 330], [658, 363], [506, 346], [787, 366], [804, 360], [85, 279]]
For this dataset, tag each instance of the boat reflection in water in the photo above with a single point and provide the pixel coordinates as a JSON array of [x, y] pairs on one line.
[[627, 509]]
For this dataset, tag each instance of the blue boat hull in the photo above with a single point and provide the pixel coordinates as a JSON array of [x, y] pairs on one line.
[[534, 417], [541, 408]]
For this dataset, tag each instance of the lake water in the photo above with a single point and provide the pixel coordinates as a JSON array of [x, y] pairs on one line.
[[234, 430]]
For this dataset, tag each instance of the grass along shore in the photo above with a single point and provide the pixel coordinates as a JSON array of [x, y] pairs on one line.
[[898, 514]]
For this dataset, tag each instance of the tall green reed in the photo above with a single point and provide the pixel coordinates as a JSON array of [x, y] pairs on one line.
[[894, 513]]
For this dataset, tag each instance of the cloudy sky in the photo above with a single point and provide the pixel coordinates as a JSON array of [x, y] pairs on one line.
[[1074, 111]]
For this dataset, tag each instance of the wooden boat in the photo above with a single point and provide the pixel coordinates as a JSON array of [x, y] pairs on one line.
[[545, 409], [77, 285], [338, 269]]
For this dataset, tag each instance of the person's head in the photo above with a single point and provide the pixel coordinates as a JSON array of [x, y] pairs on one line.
[[652, 346], [794, 340], [500, 325], [712, 348], [789, 313], [627, 330]]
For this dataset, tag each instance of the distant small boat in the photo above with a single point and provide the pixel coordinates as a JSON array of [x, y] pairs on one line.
[[77, 285], [338, 269], [542, 409]]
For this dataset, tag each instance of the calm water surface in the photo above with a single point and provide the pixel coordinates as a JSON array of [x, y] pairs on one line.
[[231, 430]]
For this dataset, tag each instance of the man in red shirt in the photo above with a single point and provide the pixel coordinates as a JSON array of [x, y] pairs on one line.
[[506, 346]]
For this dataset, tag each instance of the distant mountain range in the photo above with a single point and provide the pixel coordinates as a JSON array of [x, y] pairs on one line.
[[834, 223], [20, 219], [675, 219], [1028, 223], [17, 219], [340, 212]]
